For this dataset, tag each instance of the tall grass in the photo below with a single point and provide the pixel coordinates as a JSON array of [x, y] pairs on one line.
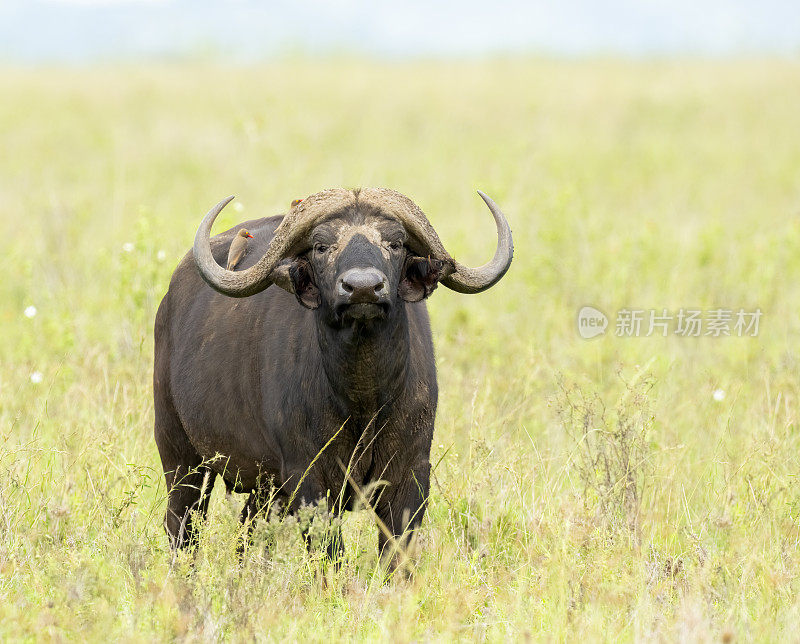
[[673, 515]]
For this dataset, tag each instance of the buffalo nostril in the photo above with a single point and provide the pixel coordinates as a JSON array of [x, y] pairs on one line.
[[362, 285]]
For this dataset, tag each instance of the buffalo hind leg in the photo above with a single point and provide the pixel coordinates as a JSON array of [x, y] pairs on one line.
[[332, 541], [311, 493], [257, 504]]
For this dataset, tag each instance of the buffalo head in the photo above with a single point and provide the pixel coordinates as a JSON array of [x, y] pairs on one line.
[[355, 255]]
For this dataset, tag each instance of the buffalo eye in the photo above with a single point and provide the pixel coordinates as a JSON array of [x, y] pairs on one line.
[[395, 245], [321, 248]]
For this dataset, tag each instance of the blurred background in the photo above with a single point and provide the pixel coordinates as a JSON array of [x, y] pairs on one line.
[[647, 155], [249, 30]]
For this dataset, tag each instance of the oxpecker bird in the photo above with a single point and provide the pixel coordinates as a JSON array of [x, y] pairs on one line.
[[238, 248]]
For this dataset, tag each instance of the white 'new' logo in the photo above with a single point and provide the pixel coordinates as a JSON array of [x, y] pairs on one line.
[[591, 322]]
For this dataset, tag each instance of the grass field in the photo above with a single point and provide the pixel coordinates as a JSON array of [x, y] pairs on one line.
[[619, 488]]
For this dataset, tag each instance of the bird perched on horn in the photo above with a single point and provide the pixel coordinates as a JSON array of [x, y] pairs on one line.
[[238, 248]]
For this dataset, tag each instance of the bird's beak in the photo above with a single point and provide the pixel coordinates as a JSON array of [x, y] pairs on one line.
[[250, 236]]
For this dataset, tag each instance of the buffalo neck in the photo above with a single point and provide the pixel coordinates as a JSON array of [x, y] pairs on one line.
[[366, 367]]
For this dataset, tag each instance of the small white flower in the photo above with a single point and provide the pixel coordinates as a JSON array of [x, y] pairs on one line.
[[161, 255], [719, 395], [30, 311], [36, 377], [238, 206], [127, 247]]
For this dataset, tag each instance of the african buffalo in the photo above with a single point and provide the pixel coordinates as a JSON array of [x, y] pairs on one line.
[[317, 388]]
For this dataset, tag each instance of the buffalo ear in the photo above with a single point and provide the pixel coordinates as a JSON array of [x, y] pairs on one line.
[[280, 276], [421, 275], [302, 282]]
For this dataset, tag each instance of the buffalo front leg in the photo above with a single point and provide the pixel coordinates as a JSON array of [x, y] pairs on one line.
[[189, 481], [400, 510]]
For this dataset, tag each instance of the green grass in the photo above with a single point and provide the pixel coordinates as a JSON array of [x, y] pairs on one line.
[[649, 185]]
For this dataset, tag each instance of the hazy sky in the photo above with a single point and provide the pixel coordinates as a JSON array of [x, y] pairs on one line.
[[88, 30]]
